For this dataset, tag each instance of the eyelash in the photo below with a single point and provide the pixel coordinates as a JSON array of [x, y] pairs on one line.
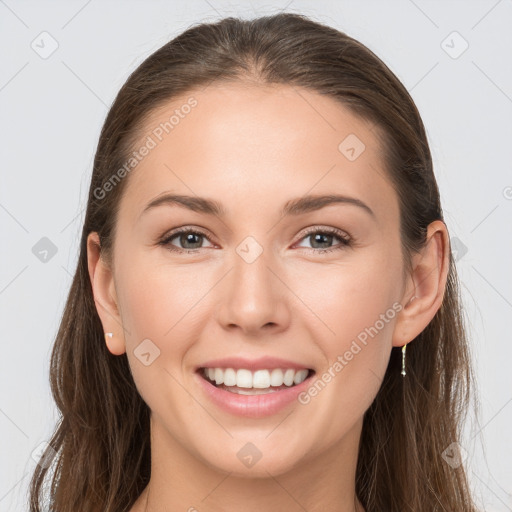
[[346, 241]]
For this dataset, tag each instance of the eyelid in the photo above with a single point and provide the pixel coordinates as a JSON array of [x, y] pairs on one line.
[[318, 228], [346, 239], [168, 236]]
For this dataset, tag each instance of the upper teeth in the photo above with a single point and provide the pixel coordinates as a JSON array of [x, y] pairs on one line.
[[259, 379]]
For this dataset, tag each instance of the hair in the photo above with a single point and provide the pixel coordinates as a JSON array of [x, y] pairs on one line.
[[100, 449]]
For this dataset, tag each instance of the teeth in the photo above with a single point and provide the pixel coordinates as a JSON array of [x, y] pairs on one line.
[[259, 379], [219, 376], [229, 377], [276, 377], [288, 377], [243, 378]]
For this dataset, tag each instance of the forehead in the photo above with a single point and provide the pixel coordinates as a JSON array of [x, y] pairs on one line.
[[241, 142]]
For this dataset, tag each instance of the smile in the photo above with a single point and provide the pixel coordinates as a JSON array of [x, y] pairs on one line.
[[244, 381], [255, 393]]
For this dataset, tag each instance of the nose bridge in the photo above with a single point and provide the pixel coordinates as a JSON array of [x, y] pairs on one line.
[[252, 297], [252, 279]]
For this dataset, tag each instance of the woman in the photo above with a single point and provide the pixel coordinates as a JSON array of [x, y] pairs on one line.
[[268, 365]]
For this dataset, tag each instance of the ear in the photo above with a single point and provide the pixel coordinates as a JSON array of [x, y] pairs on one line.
[[102, 282], [425, 287]]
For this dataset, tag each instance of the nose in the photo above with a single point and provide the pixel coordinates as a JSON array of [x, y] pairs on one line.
[[253, 297]]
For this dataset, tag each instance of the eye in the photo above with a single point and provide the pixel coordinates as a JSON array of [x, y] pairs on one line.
[[190, 239], [324, 237]]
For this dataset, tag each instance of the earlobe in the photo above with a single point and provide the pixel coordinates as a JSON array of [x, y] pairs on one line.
[[105, 300], [115, 345], [427, 285]]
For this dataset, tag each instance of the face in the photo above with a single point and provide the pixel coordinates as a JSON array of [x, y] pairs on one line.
[[272, 279]]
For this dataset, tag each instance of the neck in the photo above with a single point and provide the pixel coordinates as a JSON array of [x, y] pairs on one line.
[[181, 481]]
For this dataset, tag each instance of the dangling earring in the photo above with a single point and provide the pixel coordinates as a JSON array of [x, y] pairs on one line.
[[403, 360], [404, 347]]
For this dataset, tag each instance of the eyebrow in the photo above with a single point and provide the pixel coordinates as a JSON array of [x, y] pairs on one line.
[[297, 206]]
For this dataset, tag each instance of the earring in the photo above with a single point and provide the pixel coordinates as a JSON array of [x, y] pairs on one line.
[[108, 335], [403, 360]]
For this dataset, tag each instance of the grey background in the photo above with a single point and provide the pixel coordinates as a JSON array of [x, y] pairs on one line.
[[52, 110]]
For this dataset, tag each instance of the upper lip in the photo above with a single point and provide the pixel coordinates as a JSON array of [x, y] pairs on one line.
[[261, 363]]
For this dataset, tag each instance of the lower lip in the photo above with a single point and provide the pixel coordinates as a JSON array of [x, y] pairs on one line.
[[252, 406]]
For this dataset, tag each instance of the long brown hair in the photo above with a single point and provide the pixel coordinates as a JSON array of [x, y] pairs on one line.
[[102, 442]]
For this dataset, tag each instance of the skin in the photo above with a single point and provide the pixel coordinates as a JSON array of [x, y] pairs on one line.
[[252, 148]]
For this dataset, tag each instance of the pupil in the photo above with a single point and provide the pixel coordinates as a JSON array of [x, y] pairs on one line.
[[318, 237], [189, 237]]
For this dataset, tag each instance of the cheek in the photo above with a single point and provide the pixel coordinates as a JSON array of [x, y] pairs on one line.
[[354, 304], [161, 304], [348, 298], [154, 298], [166, 304]]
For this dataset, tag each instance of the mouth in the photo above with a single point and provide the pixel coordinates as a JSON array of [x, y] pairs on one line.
[[243, 381]]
